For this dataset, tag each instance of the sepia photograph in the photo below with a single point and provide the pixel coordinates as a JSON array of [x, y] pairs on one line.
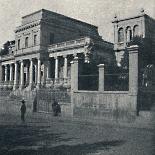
[[77, 77]]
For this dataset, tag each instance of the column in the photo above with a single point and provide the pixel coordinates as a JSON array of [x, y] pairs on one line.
[[39, 74], [11, 72], [21, 74], [101, 77], [44, 73], [74, 74], [31, 73], [56, 69], [27, 74], [48, 69], [15, 76], [6, 73], [65, 69]]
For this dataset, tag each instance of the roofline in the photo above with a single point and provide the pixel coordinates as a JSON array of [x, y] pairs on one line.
[[128, 18], [44, 10]]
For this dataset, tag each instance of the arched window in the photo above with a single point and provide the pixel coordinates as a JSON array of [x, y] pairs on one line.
[[136, 31], [26, 42], [128, 34], [120, 35]]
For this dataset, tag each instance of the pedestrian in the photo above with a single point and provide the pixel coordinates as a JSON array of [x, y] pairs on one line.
[[23, 111], [56, 108]]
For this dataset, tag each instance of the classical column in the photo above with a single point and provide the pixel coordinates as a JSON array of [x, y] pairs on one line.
[[6, 73], [21, 74], [101, 77], [11, 72], [15, 76], [56, 69], [31, 73], [48, 69], [65, 69], [27, 74], [39, 74], [74, 74]]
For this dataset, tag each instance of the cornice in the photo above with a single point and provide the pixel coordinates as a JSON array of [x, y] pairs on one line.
[[27, 26]]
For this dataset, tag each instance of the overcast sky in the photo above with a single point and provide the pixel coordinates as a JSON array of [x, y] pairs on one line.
[[96, 12]]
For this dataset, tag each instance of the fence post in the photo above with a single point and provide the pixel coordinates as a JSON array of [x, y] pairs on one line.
[[133, 75], [101, 77]]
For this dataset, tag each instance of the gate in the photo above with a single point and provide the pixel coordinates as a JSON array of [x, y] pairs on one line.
[[45, 97]]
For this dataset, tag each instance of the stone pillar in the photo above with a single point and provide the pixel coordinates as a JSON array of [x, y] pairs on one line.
[[56, 69], [101, 77], [74, 74], [31, 73], [11, 72], [39, 74], [6, 73], [133, 69], [133, 76], [21, 74], [65, 69], [15, 76]]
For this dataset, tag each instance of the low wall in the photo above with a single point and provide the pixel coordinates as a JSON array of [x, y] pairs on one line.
[[107, 104]]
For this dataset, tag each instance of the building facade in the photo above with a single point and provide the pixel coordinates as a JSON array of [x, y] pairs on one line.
[[125, 30], [45, 44]]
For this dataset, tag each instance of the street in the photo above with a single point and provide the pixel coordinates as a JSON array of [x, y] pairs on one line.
[[43, 134]]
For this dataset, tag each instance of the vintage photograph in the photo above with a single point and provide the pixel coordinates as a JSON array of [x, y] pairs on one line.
[[77, 77]]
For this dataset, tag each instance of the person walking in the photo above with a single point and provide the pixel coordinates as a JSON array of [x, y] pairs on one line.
[[56, 108], [23, 111]]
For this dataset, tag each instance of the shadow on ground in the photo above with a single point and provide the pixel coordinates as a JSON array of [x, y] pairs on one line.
[[28, 140], [81, 149], [22, 135]]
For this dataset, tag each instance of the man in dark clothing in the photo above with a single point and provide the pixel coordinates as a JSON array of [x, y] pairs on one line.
[[23, 111], [56, 108]]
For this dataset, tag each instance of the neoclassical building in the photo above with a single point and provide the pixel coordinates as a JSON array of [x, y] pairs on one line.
[[45, 44]]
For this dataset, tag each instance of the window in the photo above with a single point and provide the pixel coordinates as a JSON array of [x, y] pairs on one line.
[[35, 39], [136, 30], [26, 42], [51, 38], [18, 46], [128, 34], [120, 35]]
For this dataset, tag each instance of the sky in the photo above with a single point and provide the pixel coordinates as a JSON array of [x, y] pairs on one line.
[[96, 12]]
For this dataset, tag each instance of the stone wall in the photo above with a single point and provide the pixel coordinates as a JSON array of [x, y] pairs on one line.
[[111, 105]]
